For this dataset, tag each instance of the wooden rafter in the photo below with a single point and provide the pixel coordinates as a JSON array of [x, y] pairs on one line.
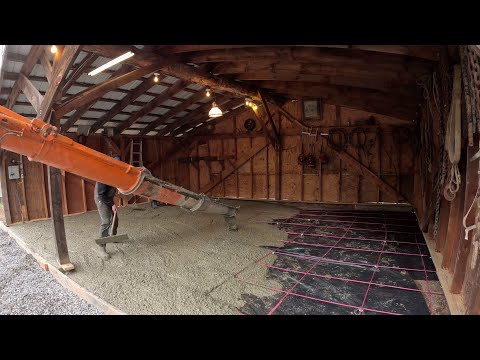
[[27, 68], [200, 111], [47, 65], [401, 107], [227, 116], [30, 91], [181, 71], [83, 109], [127, 100], [60, 70], [176, 110], [428, 52], [164, 96], [97, 91], [80, 69], [227, 106]]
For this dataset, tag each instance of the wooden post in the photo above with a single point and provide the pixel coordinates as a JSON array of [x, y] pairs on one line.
[[278, 165], [465, 245], [54, 187], [3, 177], [442, 224], [454, 226]]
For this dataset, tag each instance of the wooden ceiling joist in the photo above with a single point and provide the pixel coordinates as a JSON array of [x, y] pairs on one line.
[[401, 107], [176, 110], [200, 111], [164, 96], [100, 89], [127, 100], [27, 68]]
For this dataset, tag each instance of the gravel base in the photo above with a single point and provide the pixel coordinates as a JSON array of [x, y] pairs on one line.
[[26, 289]]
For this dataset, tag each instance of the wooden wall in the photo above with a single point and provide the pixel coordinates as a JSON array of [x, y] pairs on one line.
[[458, 260], [272, 175]]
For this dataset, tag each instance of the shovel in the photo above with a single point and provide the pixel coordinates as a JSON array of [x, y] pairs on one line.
[[113, 238]]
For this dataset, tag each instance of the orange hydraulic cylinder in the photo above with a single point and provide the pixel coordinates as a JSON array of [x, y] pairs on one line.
[[40, 142]]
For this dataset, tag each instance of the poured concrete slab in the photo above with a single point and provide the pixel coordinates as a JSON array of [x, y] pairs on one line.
[[177, 263]]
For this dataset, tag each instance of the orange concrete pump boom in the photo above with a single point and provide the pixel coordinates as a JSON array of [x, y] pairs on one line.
[[41, 142]]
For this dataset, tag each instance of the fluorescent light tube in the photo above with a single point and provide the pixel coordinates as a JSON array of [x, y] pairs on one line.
[[111, 63]]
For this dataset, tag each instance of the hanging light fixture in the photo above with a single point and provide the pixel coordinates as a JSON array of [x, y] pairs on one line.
[[208, 92], [53, 49], [215, 111], [155, 78]]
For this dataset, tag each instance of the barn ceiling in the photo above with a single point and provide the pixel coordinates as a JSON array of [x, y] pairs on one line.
[[381, 79]]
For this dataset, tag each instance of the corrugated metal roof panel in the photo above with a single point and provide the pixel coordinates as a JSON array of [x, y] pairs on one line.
[[182, 113], [171, 102], [38, 70], [84, 122], [161, 127], [195, 87], [158, 89], [159, 111], [132, 108], [103, 105], [24, 109], [131, 85], [114, 95], [19, 49], [110, 124], [131, 132], [138, 126], [145, 98], [183, 94], [93, 114], [152, 133], [149, 118], [193, 107], [7, 84], [169, 79], [121, 117]]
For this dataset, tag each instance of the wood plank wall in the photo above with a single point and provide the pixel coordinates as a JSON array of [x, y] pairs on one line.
[[335, 182], [454, 251]]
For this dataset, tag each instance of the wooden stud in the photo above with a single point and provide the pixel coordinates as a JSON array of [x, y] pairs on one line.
[[442, 225], [47, 66], [84, 195], [3, 179], [30, 91], [454, 226], [238, 163]]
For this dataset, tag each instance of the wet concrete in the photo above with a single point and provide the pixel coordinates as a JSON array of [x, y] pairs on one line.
[[178, 263]]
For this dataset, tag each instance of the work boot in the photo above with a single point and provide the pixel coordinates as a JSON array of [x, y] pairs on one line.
[[101, 251]]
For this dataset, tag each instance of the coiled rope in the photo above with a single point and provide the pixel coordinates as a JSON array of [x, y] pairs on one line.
[[453, 137]]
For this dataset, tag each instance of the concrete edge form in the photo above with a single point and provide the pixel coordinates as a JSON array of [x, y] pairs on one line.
[[64, 280]]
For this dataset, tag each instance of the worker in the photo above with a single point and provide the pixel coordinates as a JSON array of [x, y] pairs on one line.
[[104, 195]]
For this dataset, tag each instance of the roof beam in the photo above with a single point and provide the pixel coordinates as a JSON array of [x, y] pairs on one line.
[[400, 107], [164, 96], [47, 65], [60, 70], [97, 91], [227, 106], [428, 52], [30, 91], [27, 68], [187, 118], [86, 62], [127, 100], [182, 71], [176, 110]]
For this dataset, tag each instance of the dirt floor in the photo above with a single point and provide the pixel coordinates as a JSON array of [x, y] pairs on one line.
[[178, 263]]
